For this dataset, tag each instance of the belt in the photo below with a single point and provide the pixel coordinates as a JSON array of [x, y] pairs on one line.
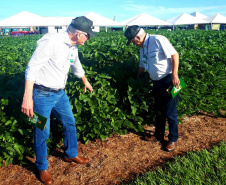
[[43, 88]]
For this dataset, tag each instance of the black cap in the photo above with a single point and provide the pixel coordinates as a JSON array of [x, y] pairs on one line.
[[131, 33], [83, 24]]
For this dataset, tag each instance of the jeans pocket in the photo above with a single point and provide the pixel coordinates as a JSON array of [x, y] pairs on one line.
[[41, 93]]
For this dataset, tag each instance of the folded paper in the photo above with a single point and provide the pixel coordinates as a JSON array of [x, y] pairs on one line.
[[173, 90], [37, 120]]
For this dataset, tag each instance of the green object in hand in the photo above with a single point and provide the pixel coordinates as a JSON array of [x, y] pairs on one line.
[[173, 90], [37, 120]]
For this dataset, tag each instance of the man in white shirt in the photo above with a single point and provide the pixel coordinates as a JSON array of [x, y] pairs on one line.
[[159, 58], [46, 77]]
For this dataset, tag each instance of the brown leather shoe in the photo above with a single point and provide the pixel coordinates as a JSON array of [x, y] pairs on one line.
[[151, 138], [78, 159], [171, 146], [45, 177]]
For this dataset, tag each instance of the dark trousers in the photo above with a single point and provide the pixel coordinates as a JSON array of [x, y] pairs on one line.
[[166, 108]]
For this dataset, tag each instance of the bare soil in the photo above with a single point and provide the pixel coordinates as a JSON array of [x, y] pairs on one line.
[[121, 158]]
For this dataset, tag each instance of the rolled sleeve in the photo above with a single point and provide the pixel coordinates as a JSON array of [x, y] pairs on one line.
[[78, 71], [77, 68], [141, 64], [29, 75]]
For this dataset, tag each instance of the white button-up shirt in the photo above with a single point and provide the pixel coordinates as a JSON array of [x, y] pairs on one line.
[[155, 56], [51, 61]]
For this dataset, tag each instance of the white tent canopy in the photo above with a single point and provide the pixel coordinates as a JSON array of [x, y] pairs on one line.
[[144, 20], [23, 19], [27, 19], [198, 15], [217, 19], [99, 20], [186, 19], [56, 21]]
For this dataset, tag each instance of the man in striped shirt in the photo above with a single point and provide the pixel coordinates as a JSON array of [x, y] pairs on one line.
[[159, 58]]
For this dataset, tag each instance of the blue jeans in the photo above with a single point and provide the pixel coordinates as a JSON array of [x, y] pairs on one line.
[[166, 108], [58, 103]]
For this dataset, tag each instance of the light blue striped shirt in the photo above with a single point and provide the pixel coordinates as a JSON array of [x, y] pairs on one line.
[[155, 56]]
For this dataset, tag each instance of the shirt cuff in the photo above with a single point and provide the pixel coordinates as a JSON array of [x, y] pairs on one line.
[[79, 75]]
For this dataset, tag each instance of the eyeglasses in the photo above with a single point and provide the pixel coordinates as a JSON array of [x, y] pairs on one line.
[[86, 35], [134, 40]]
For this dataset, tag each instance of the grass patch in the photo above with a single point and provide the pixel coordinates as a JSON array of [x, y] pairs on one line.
[[202, 167]]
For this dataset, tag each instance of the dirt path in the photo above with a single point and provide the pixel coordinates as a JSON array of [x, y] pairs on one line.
[[120, 158]]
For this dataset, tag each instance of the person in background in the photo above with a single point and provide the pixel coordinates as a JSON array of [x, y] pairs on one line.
[[45, 79], [159, 58]]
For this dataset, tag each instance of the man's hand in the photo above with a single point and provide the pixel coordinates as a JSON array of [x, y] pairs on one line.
[[175, 66], [176, 80], [87, 84], [141, 70], [27, 106]]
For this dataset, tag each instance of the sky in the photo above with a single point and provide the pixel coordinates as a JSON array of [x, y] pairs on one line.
[[118, 10]]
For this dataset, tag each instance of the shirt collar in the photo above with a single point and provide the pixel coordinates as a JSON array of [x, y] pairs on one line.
[[66, 38], [146, 40]]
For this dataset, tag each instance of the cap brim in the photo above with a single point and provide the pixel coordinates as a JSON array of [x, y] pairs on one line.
[[128, 42], [91, 33]]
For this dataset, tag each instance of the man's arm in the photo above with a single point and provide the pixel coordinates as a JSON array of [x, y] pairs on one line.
[[141, 70], [175, 66], [87, 84], [27, 104]]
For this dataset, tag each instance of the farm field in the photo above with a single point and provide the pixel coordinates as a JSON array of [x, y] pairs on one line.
[[112, 120], [121, 158]]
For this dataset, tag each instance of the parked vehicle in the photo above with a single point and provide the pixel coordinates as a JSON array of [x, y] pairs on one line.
[[23, 33]]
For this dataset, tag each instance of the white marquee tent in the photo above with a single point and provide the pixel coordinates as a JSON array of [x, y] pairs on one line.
[[23, 19], [52, 24], [216, 19], [198, 15], [99, 20], [56, 21], [144, 20], [26, 19], [186, 19]]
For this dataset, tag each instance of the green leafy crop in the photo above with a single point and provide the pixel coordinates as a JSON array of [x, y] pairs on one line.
[[119, 102]]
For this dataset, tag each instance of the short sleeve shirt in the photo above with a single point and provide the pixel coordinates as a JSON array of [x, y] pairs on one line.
[[155, 56]]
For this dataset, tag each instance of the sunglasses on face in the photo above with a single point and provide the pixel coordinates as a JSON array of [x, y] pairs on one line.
[[86, 35]]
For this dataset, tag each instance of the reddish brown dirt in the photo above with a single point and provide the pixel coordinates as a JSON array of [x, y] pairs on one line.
[[121, 158]]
